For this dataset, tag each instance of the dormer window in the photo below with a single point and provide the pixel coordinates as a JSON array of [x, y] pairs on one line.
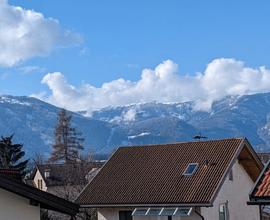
[[191, 169]]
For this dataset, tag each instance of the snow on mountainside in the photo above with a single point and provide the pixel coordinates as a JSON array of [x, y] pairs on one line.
[[230, 117], [32, 121]]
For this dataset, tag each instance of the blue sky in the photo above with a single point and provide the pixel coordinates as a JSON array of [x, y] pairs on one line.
[[118, 39]]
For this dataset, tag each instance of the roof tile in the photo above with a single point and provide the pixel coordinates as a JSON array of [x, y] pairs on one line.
[[153, 174]]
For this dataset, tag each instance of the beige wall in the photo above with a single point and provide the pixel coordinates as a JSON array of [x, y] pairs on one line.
[[39, 177], [14, 207], [236, 192]]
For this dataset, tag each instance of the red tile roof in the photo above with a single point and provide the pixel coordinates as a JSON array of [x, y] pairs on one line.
[[154, 174], [262, 186]]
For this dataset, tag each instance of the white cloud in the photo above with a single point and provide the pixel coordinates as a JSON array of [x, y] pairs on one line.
[[25, 34], [26, 70], [222, 77]]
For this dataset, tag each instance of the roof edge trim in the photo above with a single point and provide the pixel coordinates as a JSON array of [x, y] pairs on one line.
[[147, 205], [259, 179], [222, 180]]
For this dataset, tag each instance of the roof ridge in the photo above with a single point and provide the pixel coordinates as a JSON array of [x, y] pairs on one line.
[[181, 142]]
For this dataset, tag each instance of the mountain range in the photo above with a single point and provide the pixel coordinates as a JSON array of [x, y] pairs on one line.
[[32, 122]]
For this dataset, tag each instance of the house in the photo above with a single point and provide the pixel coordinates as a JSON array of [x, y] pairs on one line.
[[189, 181], [64, 180], [260, 194], [21, 201], [265, 156]]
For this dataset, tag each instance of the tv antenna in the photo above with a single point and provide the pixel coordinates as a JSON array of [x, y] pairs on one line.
[[199, 137]]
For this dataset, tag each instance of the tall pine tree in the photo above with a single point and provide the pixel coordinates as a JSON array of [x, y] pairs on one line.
[[11, 155], [68, 142]]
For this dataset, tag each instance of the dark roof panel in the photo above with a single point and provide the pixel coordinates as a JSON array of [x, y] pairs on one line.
[[64, 174], [46, 200], [154, 174]]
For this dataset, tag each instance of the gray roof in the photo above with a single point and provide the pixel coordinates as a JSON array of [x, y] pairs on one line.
[[68, 174]]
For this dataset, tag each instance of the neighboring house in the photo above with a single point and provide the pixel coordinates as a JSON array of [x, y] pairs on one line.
[[260, 194], [208, 180], [264, 156], [64, 180], [23, 202]]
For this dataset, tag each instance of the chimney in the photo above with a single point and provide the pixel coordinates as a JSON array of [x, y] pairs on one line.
[[47, 173]]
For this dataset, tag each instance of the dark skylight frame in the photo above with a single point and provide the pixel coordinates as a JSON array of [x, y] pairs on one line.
[[191, 169], [162, 211]]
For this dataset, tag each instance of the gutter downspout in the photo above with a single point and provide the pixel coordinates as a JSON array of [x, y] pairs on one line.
[[260, 207], [199, 214]]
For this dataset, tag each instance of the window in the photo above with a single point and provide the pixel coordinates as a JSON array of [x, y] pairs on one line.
[[154, 211], [191, 168], [223, 211], [47, 173], [140, 211], [125, 215], [183, 211], [168, 211], [165, 211], [40, 184]]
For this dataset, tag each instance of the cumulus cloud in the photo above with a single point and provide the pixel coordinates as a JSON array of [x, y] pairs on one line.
[[222, 77], [25, 34]]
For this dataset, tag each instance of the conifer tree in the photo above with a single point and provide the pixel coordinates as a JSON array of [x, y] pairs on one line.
[[11, 155], [68, 142]]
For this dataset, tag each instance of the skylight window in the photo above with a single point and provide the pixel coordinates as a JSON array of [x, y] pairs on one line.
[[168, 211], [154, 211], [165, 211], [191, 169], [183, 211], [139, 211]]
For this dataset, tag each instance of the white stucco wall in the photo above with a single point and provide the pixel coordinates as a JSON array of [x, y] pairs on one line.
[[37, 177], [14, 207], [236, 192]]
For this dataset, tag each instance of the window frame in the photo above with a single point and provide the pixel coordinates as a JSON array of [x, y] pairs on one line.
[[226, 211], [194, 170], [164, 214], [136, 209], [40, 184], [162, 211]]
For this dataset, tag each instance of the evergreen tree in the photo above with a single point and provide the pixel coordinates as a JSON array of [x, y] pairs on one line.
[[11, 155], [68, 141]]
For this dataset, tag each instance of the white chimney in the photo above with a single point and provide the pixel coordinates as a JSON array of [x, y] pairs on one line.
[[47, 173]]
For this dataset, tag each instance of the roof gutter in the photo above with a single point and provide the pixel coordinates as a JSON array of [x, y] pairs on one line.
[[199, 214], [147, 205], [258, 202]]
